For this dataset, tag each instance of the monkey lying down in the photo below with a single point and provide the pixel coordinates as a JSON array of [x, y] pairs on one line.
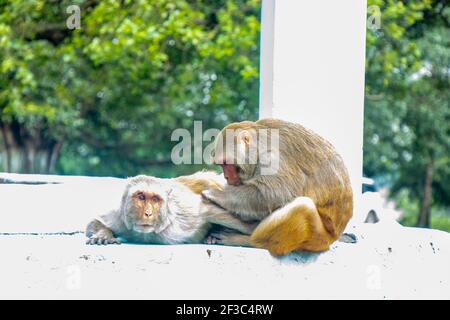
[[165, 211]]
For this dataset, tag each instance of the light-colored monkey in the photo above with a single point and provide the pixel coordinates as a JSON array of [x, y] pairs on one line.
[[164, 211], [303, 206]]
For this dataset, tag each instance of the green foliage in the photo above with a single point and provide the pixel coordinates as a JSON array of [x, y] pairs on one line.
[[407, 111], [410, 206], [115, 89]]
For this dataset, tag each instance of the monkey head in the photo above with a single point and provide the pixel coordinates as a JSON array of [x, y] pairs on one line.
[[236, 151], [144, 205]]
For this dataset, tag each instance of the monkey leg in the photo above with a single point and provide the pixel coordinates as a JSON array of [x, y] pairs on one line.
[[229, 239], [294, 227]]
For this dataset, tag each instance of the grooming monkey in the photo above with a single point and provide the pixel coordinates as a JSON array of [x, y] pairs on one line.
[[303, 206], [164, 211]]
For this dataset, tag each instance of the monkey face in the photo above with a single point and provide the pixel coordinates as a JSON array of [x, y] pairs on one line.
[[144, 212], [231, 174], [146, 207], [144, 204], [237, 153]]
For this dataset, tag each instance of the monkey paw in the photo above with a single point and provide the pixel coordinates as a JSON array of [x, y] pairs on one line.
[[218, 238], [210, 240], [102, 240]]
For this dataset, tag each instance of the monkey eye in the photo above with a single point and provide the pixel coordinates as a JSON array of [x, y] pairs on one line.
[[141, 196], [156, 199]]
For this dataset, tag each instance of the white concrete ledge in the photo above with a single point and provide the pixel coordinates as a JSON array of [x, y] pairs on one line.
[[388, 261], [63, 207], [48, 178], [401, 263]]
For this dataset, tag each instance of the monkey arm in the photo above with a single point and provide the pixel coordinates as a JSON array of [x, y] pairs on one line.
[[220, 216], [244, 200], [93, 227], [98, 233]]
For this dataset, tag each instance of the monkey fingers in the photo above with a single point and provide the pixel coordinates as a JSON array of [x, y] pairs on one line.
[[102, 240], [210, 240], [216, 238]]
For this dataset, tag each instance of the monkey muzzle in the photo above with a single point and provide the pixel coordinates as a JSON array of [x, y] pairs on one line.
[[148, 213], [144, 228], [146, 222], [231, 174]]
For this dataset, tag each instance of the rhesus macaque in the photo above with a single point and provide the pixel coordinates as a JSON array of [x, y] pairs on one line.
[[304, 205], [164, 211]]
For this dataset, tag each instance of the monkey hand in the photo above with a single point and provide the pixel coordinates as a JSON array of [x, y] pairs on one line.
[[238, 199], [213, 196], [210, 240], [102, 237], [219, 237]]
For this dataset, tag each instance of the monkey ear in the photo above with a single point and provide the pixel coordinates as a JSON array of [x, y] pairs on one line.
[[246, 137]]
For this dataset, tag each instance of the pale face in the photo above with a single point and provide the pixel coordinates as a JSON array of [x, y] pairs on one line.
[[145, 210]]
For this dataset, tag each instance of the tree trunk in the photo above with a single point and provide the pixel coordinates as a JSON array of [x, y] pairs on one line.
[[27, 151], [53, 156], [425, 208], [6, 158]]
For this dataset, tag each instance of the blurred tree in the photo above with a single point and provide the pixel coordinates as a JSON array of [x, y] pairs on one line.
[[428, 118], [105, 98], [406, 138]]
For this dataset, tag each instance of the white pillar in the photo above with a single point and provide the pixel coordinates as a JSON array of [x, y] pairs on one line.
[[312, 71]]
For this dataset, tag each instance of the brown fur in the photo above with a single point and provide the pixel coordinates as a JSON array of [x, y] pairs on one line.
[[305, 205]]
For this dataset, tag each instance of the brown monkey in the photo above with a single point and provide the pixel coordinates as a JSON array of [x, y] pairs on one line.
[[304, 205], [164, 211]]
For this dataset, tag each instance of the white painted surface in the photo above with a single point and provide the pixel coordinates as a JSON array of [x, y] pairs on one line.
[[318, 71], [65, 207], [6, 177], [388, 261], [395, 263], [266, 58]]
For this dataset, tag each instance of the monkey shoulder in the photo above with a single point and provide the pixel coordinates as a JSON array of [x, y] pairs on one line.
[[187, 222], [184, 230]]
